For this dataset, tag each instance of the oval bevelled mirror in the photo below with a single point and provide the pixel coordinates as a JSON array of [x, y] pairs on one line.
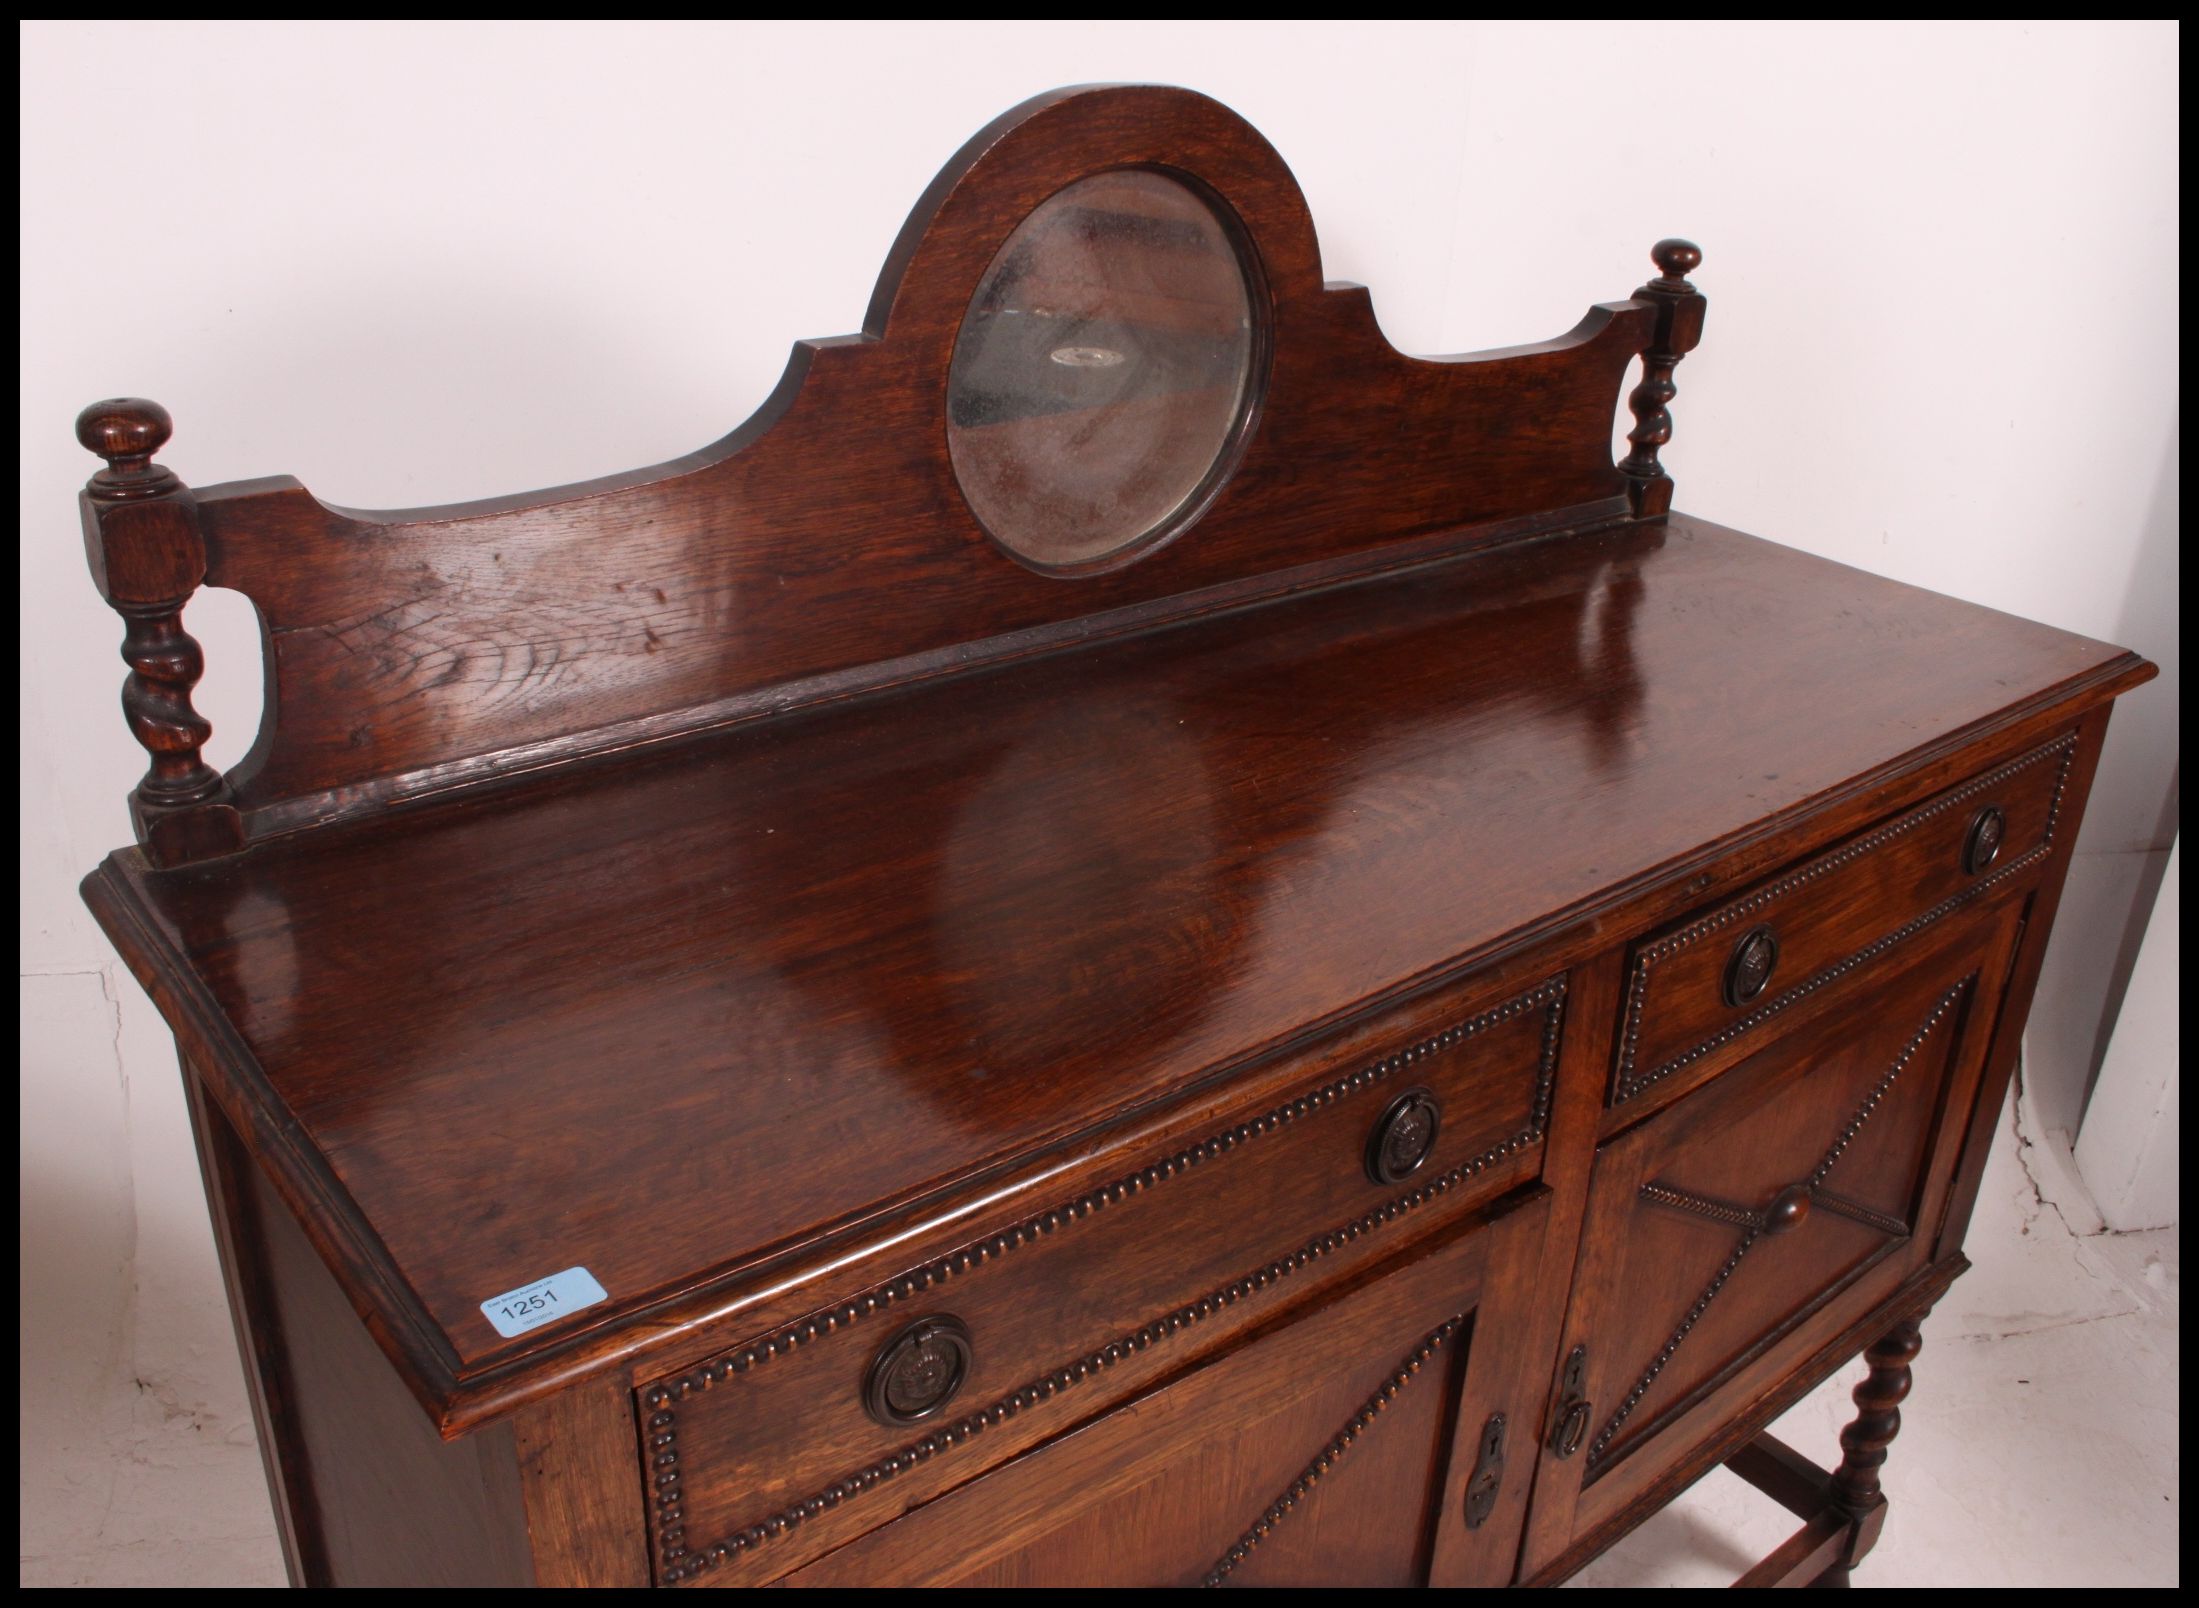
[[1103, 370]]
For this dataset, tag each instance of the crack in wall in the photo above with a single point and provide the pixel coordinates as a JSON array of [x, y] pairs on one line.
[[2040, 1201], [119, 1368], [126, 1327]]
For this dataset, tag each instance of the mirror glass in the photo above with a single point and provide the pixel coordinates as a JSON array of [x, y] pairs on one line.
[[1102, 369]]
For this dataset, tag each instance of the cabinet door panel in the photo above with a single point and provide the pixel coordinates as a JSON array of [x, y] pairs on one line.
[[1310, 1455], [1746, 1205], [1728, 1235]]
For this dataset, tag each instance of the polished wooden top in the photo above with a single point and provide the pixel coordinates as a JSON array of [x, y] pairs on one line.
[[670, 1016]]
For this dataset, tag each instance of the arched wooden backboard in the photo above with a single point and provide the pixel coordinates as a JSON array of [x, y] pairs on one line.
[[826, 546]]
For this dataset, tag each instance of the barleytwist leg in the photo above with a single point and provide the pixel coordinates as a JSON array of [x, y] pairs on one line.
[[1855, 1484]]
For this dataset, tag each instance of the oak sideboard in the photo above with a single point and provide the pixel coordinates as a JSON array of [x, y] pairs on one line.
[[1128, 940]]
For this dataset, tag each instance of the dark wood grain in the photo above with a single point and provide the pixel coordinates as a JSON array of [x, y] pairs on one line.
[[729, 581], [579, 1475], [1844, 1112], [1512, 1375], [1689, 1318], [1803, 1557], [1827, 1342], [1843, 1512], [947, 965], [1878, 1398], [225, 1166], [1864, 900], [2000, 1067], [392, 1502], [147, 553], [1680, 309], [1783, 1474], [1168, 1258], [1084, 1064], [1286, 1462]]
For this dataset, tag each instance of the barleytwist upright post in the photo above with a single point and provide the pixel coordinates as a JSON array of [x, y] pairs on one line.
[[142, 539], [1680, 310], [1877, 1419], [1855, 1484]]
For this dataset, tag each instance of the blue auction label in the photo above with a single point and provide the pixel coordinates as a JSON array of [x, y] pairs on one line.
[[544, 1301]]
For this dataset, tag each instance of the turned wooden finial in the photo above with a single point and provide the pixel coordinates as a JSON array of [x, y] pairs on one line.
[[1679, 327], [141, 538], [1675, 260], [127, 431]]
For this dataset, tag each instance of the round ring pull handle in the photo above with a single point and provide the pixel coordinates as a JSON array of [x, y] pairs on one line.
[[918, 1371], [1982, 846], [1403, 1136], [1755, 957]]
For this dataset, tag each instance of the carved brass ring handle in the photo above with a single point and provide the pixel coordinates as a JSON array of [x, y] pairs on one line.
[[1755, 956], [1988, 830], [1404, 1136], [918, 1371]]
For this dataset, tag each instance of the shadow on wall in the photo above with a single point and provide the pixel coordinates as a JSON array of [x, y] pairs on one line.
[[75, 1241], [2137, 798]]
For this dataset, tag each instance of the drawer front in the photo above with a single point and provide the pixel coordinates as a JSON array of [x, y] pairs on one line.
[[1723, 1222], [1710, 992], [796, 1441], [1307, 1456]]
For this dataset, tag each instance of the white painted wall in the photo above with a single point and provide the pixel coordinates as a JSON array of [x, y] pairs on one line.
[[412, 263], [2130, 1152], [1943, 273]]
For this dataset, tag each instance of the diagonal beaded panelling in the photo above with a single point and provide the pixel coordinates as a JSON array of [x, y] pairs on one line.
[[677, 1562], [1686, 1200], [1751, 1224], [1626, 1082], [1855, 1211], [1329, 1455]]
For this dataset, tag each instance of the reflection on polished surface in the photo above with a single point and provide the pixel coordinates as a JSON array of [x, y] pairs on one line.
[[926, 911], [1094, 837]]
